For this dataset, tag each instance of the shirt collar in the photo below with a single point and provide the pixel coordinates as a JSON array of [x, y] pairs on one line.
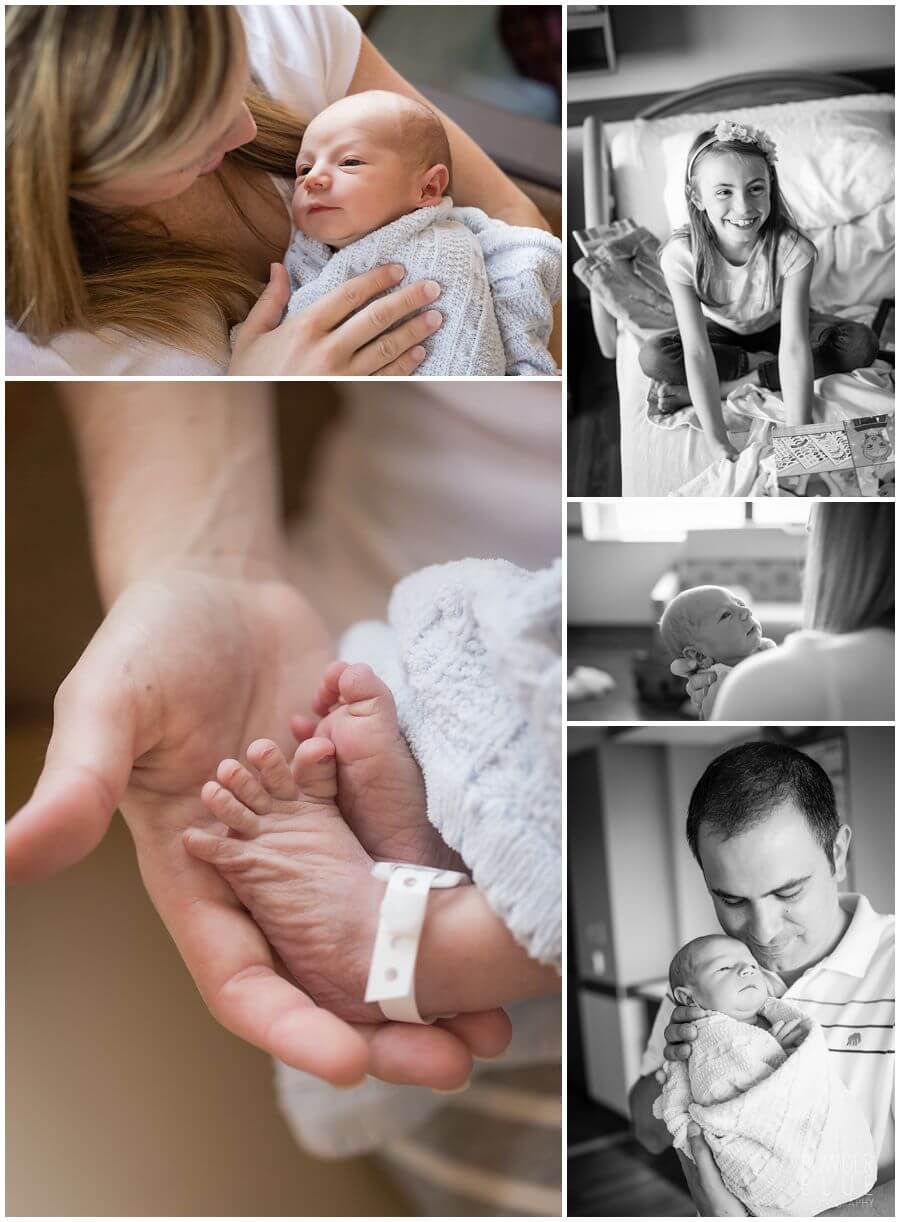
[[855, 951]]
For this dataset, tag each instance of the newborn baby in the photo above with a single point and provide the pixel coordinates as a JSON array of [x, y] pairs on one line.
[[787, 1136], [709, 628], [719, 973], [372, 179]]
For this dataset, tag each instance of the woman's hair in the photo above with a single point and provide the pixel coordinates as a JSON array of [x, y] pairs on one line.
[[849, 578], [100, 90], [699, 232]]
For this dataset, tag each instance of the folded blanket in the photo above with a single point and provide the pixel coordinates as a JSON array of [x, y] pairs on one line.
[[751, 413], [786, 1134], [499, 284], [621, 266], [472, 652]]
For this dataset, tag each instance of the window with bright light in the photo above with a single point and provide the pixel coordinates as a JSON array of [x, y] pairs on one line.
[[647, 518]]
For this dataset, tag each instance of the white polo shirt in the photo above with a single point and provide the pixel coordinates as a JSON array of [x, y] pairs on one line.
[[850, 994]]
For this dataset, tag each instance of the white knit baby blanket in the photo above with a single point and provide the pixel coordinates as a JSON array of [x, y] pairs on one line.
[[472, 653], [786, 1134], [499, 284]]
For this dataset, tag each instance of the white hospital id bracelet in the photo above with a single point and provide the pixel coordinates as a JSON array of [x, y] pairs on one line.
[[392, 973]]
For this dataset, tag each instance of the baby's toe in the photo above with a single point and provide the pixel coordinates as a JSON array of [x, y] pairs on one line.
[[228, 810], [223, 852], [361, 687], [244, 785], [314, 768], [274, 773], [329, 693]]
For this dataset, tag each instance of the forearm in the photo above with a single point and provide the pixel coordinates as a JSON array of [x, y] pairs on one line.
[[476, 181], [703, 384], [650, 1132], [468, 959], [879, 1203], [796, 369], [177, 475]]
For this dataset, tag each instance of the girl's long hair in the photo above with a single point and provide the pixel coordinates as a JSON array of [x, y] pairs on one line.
[[849, 579], [96, 91], [699, 232]]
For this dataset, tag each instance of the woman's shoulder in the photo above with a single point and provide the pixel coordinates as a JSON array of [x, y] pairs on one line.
[[765, 683], [872, 643], [304, 55], [793, 681]]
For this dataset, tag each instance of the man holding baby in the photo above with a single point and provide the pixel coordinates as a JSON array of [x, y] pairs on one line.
[[763, 826]]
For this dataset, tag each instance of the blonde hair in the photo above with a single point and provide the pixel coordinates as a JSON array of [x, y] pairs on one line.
[[95, 91], [849, 579]]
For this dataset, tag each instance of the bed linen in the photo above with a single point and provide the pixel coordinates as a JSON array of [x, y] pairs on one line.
[[670, 457], [855, 265]]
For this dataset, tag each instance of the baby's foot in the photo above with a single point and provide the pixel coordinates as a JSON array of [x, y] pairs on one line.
[[295, 865], [380, 790], [667, 398]]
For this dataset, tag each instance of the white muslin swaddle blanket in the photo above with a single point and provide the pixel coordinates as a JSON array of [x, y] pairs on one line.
[[786, 1134], [472, 652], [500, 283]]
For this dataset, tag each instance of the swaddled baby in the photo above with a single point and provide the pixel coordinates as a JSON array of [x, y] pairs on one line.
[[372, 179], [786, 1134], [710, 628]]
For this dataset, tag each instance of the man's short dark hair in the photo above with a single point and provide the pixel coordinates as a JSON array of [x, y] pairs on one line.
[[740, 788]]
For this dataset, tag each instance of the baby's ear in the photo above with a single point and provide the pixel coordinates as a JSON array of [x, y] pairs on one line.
[[692, 653], [683, 996], [434, 184]]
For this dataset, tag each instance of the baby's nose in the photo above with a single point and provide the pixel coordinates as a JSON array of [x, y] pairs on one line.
[[747, 970]]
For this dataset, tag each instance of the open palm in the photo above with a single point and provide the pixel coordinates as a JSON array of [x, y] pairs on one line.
[[186, 669]]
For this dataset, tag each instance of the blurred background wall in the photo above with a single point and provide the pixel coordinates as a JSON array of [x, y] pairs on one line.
[[677, 46]]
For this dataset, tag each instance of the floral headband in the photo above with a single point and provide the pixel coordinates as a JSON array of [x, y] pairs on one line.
[[740, 132]]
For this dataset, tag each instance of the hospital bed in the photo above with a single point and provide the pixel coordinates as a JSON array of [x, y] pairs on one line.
[[835, 140]]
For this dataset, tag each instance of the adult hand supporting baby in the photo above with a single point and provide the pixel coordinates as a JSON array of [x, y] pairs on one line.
[[704, 1181], [205, 648], [341, 333], [140, 723], [681, 1031], [699, 683]]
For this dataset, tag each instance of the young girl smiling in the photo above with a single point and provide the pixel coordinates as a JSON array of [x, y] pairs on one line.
[[739, 274]]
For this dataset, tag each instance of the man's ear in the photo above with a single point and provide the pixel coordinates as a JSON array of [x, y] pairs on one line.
[[683, 996], [434, 184], [841, 849]]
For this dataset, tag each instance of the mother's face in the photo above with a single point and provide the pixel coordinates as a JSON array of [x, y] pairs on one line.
[[170, 174], [773, 888]]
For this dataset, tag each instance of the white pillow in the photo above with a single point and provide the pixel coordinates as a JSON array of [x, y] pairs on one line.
[[636, 158], [832, 168]]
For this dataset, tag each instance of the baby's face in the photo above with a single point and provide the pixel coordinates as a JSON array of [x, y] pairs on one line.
[[727, 630], [727, 978], [353, 175]]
